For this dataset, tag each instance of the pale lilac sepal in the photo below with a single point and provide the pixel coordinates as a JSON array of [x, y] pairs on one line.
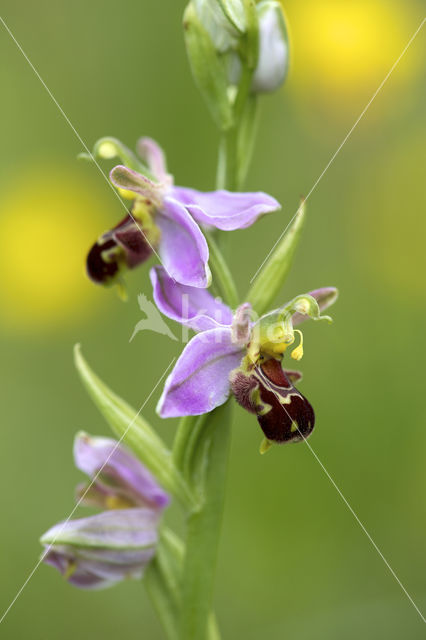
[[193, 307], [183, 248], [117, 472], [199, 381], [224, 209], [97, 552]]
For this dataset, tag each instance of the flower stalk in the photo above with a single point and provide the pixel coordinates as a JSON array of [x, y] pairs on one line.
[[203, 526]]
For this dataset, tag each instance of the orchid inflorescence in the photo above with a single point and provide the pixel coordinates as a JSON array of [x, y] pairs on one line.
[[237, 50]]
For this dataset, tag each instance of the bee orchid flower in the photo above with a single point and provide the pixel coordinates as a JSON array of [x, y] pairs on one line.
[[164, 219], [231, 353]]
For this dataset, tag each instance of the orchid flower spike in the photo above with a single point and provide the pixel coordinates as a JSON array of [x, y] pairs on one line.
[[164, 219], [101, 550], [231, 353]]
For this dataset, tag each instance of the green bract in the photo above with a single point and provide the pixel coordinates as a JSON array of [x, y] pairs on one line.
[[273, 273]]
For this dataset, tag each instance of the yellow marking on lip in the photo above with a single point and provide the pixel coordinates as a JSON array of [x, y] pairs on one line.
[[297, 353]]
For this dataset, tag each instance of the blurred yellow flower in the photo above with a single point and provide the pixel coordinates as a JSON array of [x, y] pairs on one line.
[[393, 249], [47, 223], [342, 49]]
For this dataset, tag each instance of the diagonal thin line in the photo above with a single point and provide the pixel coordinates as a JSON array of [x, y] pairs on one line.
[[46, 551], [346, 138], [79, 138], [266, 381]]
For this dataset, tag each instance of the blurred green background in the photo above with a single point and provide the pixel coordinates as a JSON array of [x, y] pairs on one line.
[[294, 563]]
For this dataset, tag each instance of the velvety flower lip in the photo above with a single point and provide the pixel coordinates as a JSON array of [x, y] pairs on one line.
[[167, 218], [284, 414], [117, 477], [98, 551], [125, 245]]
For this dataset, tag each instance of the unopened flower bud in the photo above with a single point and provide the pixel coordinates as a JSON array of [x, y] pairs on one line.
[[99, 551], [208, 34], [224, 21], [117, 478], [273, 57]]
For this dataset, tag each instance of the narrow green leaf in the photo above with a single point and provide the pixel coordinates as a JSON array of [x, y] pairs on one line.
[[275, 271], [134, 431]]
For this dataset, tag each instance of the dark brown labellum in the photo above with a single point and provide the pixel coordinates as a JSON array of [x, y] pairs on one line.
[[124, 246], [284, 414]]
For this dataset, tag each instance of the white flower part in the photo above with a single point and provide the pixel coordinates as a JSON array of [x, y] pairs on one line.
[[217, 22], [273, 48], [241, 325]]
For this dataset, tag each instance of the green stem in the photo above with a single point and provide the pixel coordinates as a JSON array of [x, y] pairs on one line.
[[204, 528], [163, 582], [187, 436], [183, 434], [226, 177]]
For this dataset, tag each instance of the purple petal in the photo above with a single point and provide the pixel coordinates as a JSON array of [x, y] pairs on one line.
[[183, 248], [124, 178], [99, 551], [154, 156], [193, 307], [325, 298], [199, 381], [110, 530], [225, 210], [64, 562], [117, 472]]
